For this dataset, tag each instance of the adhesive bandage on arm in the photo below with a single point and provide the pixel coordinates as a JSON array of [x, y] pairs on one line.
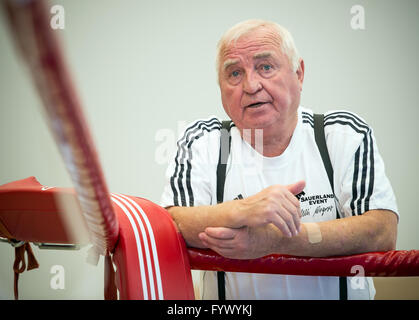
[[313, 232]]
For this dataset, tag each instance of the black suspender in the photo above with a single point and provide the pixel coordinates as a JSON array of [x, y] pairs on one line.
[[321, 144], [225, 145]]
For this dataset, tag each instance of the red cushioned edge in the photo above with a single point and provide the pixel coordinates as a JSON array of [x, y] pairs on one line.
[[376, 264]]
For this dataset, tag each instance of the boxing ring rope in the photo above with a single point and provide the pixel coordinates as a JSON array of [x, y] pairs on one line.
[[40, 48], [151, 258], [397, 263]]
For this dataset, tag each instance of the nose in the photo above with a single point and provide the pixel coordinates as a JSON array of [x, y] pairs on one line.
[[251, 83]]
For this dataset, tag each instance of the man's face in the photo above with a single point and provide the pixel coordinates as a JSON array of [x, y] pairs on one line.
[[258, 87]]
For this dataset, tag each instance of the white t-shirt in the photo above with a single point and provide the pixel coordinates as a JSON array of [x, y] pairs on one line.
[[359, 180]]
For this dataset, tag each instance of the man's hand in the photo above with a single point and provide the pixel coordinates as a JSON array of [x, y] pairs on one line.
[[375, 230], [242, 243], [276, 204], [250, 238]]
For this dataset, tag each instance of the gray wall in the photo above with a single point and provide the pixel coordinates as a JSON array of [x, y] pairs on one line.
[[144, 66]]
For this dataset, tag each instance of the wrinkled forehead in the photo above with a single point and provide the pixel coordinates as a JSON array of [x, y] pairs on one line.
[[250, 44]]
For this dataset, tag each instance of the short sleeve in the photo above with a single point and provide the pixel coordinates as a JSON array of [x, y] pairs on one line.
[[191, 171], [361, 183]]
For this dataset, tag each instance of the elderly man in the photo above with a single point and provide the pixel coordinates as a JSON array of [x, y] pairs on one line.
[[277, 195]]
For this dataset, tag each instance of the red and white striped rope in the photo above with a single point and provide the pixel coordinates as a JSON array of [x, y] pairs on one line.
[[41, 51]]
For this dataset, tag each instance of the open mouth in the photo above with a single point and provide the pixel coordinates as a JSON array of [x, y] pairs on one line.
[[256, 105]]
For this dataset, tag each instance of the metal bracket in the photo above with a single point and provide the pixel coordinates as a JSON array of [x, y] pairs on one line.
[[41, 245], [57, 246], [5, 240], [13, 242]]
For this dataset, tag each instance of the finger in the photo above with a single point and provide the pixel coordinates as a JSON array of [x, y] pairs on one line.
[[214, 243], [295, 213], [297, 187], [221, 233], [202, 236], [228, 252], [287, 217], [283, 217], [281, 225], [293, 199]]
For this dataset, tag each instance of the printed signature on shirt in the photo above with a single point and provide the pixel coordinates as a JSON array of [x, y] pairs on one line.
[[318, 210]]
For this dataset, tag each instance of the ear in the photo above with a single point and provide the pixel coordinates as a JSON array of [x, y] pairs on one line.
[[300, 73]]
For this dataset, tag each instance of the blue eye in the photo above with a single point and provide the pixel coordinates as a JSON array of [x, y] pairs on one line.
[[267, 67], [235, 73]]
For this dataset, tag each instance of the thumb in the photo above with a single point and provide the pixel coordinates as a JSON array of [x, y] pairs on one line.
[[221, 232], [297, 187]]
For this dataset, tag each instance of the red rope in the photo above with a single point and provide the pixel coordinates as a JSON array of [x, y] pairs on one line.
[[374, 264], [30, 25]]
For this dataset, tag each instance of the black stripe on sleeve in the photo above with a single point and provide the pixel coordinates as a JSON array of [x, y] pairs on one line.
[[189, 167], [347, 115], [372, 174], [183, 159], [367, 171], [308, 118], [343, 122], [175, 175], [179, 160], [363, 175], [355, 181]]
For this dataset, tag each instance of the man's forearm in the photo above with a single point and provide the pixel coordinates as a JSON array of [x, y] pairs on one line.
[[276, 204], [375, 230], [193, 220]]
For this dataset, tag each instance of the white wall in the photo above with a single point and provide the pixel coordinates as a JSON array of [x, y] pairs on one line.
[[142, 66]]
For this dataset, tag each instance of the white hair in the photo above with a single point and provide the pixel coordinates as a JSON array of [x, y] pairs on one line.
[[244, 28]]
